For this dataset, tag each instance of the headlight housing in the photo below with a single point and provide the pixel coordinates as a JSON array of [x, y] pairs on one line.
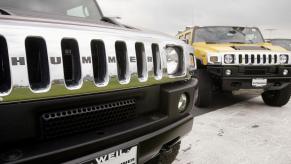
[[284, 59], [229, 59], [214, 59], [173, 60]]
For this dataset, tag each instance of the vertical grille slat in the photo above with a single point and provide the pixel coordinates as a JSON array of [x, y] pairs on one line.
[[37, 63], [71, 62], [99, 61], [122, 64], [5, 74], [275, 59], [240, 59], [270, 59], [253, 59], [264, 59], [246, 59], [258, 59], [141, 60], [157, 59]]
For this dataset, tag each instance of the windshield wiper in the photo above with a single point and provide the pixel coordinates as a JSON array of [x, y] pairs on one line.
[[211, 42], [238, 42], [251, 42], [110, 20]]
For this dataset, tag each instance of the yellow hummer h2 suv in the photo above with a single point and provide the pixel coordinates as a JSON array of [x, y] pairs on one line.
[[235, 58]]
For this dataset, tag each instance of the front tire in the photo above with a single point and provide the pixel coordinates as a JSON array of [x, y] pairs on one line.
[[205, 89], [277, 98]]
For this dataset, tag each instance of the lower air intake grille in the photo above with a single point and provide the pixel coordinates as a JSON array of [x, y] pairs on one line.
[[68, 122], [255, 72]]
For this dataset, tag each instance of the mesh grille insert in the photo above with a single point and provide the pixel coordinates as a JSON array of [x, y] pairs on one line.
[[255, 72], [67, 122]]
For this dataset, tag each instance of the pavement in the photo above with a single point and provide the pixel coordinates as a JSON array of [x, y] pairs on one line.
[[238, 130]]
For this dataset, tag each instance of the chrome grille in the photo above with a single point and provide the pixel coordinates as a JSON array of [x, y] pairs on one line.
[[82, 60], [258, 58]]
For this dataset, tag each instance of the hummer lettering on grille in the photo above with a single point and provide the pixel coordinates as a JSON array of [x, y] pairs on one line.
[[150, 59], [56, 60], [18, 61], [86, 60], [111, 59], [132, 59]]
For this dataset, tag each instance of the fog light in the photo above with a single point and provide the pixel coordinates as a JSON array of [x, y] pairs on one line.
[[228, 72], [182, 104], [285, 72]]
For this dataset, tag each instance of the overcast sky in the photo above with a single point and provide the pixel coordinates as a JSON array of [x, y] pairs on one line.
[[170, 16]]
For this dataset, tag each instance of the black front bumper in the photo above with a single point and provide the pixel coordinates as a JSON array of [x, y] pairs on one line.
[[157, 123], [149, 145], [242, 76]]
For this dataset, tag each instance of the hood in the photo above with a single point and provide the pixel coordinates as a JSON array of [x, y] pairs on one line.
[[218, 48], [100, 25]]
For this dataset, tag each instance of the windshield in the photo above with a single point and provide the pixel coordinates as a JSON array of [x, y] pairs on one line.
[[61, 9], [228, 35], [283, 43]]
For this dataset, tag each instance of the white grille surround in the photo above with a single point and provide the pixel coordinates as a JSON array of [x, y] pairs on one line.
[[256, 58]]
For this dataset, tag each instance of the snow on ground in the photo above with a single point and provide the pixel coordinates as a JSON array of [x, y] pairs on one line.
[[248, 132]]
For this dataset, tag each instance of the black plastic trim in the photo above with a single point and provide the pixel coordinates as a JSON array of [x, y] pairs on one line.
[[99, 61], [71, 62], [37, 62], [157, 107], [122, 63]]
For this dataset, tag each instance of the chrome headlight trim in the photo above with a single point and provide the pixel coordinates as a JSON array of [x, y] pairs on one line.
[[172, 60], [214, 59], [176, 57]]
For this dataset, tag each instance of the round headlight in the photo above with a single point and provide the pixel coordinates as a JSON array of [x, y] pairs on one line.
[[172, 61], [228, 59], [283, 59]]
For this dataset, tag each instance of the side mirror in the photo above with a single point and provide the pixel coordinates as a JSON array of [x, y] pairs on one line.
[[185, 40]]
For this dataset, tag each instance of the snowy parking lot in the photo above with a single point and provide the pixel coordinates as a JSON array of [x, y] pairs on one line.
[[244, 132]]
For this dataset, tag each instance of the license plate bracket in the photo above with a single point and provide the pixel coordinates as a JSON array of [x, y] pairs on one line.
[[259, 82], [127, 155]]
